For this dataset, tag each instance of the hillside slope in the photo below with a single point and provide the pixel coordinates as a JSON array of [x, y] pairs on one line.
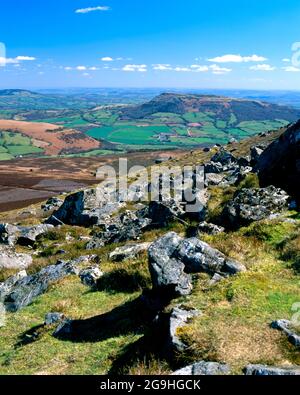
[[210, 292], [53, 140]]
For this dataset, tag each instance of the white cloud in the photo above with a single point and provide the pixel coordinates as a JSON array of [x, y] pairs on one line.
[[92, 9], [81, 68], [93, 68], [286, 60], [291, 69], [86, 74], [162, 67], [182, 69], [198, 68], [142, 68], [107, 59], [219, 70], [16, 60], [68, 68], [21, 58], [262, 67], [237, 59]]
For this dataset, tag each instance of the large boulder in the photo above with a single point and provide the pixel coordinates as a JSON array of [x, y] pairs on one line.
[[86, 208], [21, 293], [9, 259], [255, 204], [168, 273], [279, 164], [23, 235], [204, 368], [161, 213], [172, 259], [263, 370]]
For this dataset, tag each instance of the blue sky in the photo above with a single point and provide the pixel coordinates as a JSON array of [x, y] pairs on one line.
[[157, 43]]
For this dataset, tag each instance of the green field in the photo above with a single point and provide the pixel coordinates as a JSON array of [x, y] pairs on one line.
[[15, 144]]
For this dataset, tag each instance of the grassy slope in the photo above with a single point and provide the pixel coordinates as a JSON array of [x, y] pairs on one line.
[[234, 326]]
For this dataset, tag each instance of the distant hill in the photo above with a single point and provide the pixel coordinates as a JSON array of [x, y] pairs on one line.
[[222, 108], [27, 138]]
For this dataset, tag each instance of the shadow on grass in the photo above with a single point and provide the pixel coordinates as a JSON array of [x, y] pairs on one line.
[[130, 318], [120, 280]]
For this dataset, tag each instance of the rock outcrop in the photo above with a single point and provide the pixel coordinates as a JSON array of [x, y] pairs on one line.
[[20, 292], [279, 164], [127, 226], [286, 327], [22, 235], [204, 368], [172, 259], [86, 208], [263, 370], [254, 204], [9, 259]]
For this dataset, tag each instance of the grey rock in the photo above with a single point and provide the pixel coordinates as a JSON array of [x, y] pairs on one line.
[[53, 203], [203, 368], [199, 256], [263, 370], [224, 157], [90, 276], [129, 251], [166, 272], [53, 318], [23, 235], [86, 208], [28, 288], [255, 204], [210, 229], [172, 259], [212, 179], [6, 286], [179, 318], [286, 327], [127, 226], [9, 259]]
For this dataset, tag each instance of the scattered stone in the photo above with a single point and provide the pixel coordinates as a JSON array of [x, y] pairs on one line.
[[179, 318], [210, 229], [9, 259], [255, 204], [129, 251], [53, 203], [86, 208], [263, 370], [53, 318], [204, 369], [213, 179], [128, 226], [286, 327], [256, 153], [28, 288], [90, 276]]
